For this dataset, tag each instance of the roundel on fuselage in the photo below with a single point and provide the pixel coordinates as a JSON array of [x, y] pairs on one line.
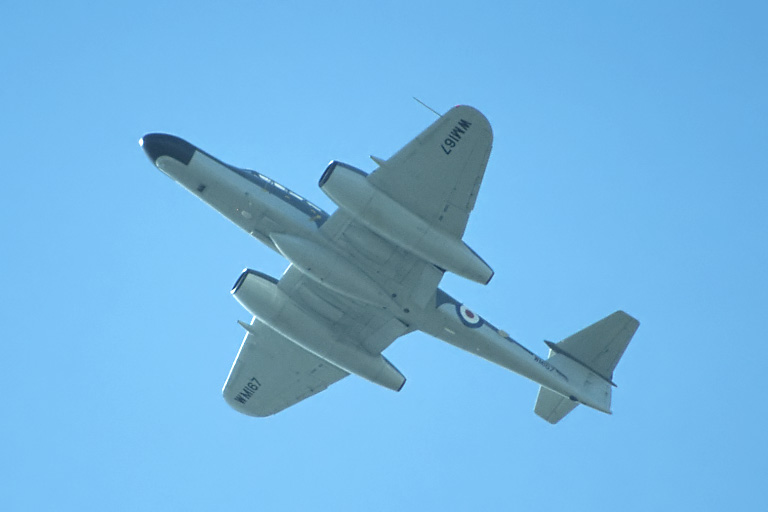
[[468, 317]]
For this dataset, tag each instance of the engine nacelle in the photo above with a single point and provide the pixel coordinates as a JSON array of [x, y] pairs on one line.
[[349, 189], [330, 269], [261, 296]]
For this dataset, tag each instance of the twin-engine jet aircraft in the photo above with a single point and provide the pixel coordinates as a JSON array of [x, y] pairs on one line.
[[367, 274]]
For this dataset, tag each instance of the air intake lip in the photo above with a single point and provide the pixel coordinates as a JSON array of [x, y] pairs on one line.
[[246, 273], [332, 166], [327, 173]]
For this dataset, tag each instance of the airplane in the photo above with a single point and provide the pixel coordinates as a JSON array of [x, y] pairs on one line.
[[367, 274]]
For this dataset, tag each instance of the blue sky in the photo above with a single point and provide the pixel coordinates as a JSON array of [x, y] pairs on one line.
[[629, 171]]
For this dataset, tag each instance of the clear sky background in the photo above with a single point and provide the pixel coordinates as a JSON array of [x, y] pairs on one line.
[[629, 171]]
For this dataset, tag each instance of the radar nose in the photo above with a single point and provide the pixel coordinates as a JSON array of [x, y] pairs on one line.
[[156, 145]]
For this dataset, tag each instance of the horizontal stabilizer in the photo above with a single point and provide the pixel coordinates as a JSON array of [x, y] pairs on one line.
[[587, 359], [600, 346], [553, 406]]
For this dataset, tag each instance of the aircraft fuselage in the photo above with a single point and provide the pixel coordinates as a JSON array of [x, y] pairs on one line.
[[289, 224], [254, 202]]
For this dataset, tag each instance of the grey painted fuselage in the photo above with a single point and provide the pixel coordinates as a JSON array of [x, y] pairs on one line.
[[266, 210]]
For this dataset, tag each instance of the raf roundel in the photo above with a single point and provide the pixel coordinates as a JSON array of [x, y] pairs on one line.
[[469, 318]]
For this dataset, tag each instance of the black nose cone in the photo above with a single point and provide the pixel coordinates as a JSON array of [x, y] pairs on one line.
[[160, 144]]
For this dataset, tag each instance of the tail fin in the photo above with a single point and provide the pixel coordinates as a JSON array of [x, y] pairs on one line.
[[588, 358]]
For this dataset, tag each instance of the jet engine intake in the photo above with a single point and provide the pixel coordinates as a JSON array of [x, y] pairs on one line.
[[350, 189], [261, 296]]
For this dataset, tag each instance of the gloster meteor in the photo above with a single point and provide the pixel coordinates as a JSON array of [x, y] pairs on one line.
[[367, 274]]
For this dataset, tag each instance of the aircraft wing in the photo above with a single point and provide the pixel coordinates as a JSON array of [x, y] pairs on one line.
[[271, 373], [438, 174]]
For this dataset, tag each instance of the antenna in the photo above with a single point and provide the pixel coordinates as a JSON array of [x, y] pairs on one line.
[[438, 114]]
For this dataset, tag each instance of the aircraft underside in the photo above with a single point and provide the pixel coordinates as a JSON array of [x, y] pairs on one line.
[[369, 273]]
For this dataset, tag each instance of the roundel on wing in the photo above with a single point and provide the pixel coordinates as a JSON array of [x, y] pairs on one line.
[[469, 318]]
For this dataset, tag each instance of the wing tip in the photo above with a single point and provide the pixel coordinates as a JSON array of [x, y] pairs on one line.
[[254, 412], [472, 112]]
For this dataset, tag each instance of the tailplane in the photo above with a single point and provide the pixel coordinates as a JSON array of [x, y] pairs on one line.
[[553, 406], [588, 359]]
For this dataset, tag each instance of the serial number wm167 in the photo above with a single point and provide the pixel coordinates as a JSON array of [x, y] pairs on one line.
[[454, 137]]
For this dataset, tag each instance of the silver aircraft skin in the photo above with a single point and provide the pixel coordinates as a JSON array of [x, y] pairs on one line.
[[367, 274]]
